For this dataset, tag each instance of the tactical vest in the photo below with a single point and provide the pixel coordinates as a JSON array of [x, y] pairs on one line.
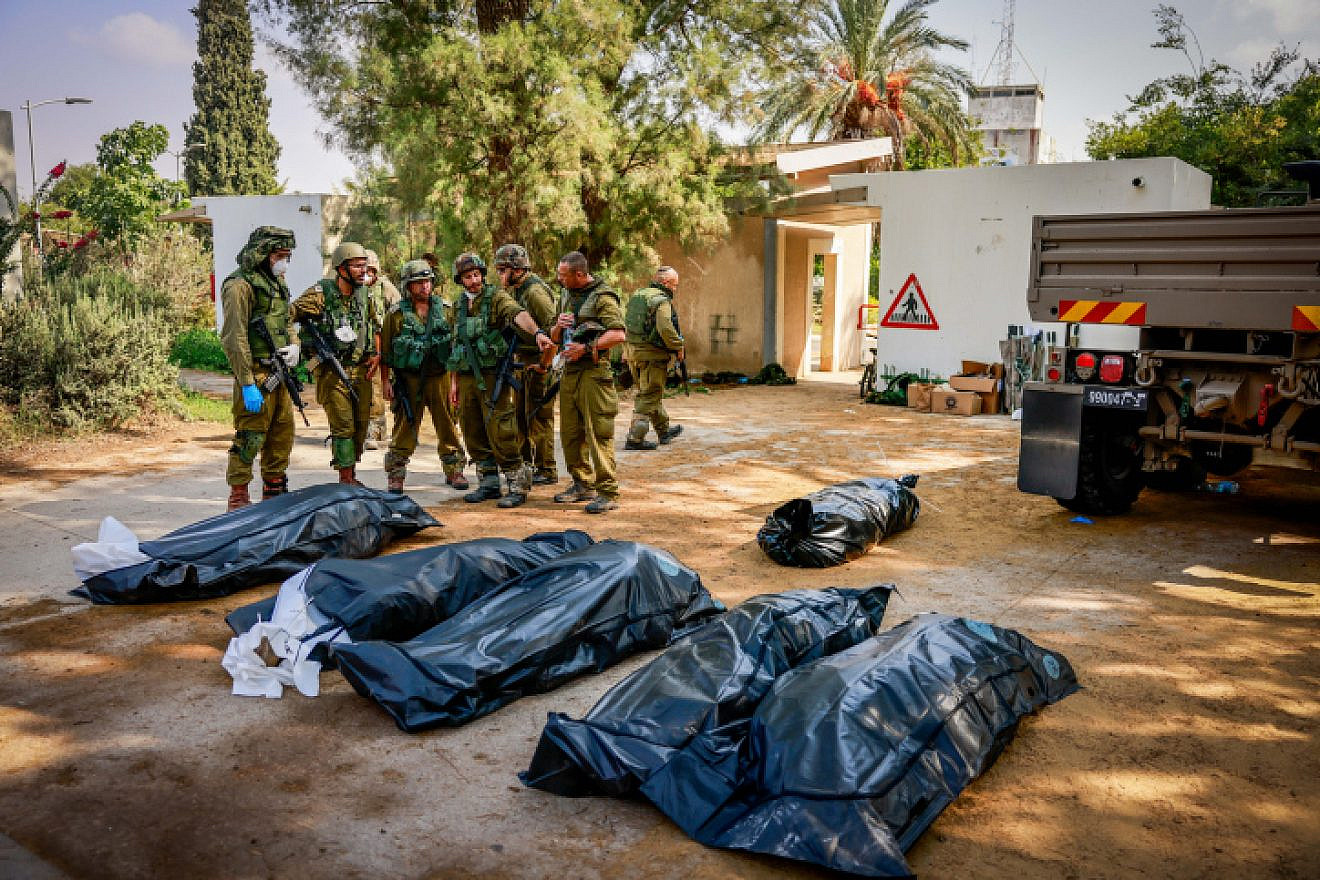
[[588, 309], [474, 337], [346, 313], [421, 344], [270, 300], [639, 317]]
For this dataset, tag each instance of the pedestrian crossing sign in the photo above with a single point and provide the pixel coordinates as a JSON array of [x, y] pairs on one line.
[[909, 309]]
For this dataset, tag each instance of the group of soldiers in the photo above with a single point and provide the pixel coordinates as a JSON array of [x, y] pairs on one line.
[[486, 366]]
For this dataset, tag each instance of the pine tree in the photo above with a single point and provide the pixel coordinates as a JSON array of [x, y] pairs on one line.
[[238, 152]]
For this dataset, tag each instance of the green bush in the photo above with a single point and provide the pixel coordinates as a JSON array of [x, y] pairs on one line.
[[87, 353], [199, 349]]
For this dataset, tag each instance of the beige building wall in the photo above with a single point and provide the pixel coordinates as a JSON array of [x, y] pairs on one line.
[[720, 299]]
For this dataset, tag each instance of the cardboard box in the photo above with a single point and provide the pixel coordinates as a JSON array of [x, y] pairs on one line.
[[989, 387], [956, 403], [918, 396], [973, 368]]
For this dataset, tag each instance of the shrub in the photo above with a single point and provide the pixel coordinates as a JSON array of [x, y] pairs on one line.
[[199, 349], [86, 353]]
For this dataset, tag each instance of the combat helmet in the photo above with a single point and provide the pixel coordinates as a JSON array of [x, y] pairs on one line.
[[512, 255], [260, 244], [415, 270], [348, 250], [466, 263], [373, 261]]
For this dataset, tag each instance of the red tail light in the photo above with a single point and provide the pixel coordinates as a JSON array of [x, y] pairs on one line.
[[1053, 374], [1085, 366], [1111, 368]]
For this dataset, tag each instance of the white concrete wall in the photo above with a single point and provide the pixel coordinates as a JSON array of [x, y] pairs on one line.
[[966, 234], [234, 217]]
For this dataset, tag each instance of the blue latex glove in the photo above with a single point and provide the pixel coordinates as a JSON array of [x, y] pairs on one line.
[[252, 398]]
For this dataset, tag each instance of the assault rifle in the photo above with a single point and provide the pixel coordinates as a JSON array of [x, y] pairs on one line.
[[504, 377], [682, 361], [280, 374], [401, 400], [326, 355], [586, 333]]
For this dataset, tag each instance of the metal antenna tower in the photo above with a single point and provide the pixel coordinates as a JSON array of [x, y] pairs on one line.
[[1006, 43]]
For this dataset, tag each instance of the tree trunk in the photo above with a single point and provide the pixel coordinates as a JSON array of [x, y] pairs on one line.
[[493, 13]]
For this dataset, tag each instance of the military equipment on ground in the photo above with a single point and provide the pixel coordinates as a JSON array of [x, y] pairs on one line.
[[325, 354], [1226, 372], [280, 373]]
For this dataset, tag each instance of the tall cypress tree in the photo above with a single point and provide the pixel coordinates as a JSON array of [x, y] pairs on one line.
[[239, 152]]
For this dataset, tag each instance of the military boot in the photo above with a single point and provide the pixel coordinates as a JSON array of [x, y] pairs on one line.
[[637, 434], [238, 497], [348, 476], [454, 474], [488, 487], [669, 433], [545, 478], [520, 483], [273, 486], [600, 504], [574, 493], [640, 444]]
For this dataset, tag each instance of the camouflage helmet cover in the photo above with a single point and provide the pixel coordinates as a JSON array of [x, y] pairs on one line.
[[373, 261], [467, 262], [348, 250], [415, 270], [261, 243], [512, 255]]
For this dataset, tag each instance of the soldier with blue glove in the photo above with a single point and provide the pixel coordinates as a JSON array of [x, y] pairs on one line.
[[263, 420]]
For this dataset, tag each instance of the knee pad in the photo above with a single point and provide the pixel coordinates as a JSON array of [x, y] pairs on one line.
[[247, 444]]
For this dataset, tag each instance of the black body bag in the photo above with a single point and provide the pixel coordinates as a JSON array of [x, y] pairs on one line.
[[839, 523]]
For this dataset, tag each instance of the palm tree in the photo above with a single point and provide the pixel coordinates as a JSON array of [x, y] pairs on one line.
[[861, 77]]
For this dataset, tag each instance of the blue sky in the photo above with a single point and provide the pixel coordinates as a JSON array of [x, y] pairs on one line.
[[133, 57]]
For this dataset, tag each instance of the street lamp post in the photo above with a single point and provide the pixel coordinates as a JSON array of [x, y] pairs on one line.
[[32, 156]]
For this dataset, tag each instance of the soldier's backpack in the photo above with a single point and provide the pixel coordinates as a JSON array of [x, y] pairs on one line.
[[639, 316]]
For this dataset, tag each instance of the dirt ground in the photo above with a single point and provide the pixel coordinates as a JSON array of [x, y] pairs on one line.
[[1192, 623]]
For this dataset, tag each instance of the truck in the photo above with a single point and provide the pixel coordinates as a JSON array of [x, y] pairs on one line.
[[1226, 369]]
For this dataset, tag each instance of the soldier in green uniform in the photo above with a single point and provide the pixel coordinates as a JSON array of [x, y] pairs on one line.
[[653, 338], [490, 431], [384, 296], [588, 401], [536, 426], [341, 312], [414, 349], [263, 423]]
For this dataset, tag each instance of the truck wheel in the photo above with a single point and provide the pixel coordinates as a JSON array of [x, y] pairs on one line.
[[1109, 476]]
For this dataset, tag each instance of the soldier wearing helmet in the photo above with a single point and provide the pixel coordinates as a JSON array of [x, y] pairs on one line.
[[340, 309], [536, 423], [490, 428], [263, 422], [384, 296], [414, 349]]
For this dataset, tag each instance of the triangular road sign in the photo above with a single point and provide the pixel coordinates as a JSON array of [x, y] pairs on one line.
[[910, 309]]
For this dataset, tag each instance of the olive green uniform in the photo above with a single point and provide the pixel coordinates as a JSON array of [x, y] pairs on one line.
[[246, 294], [588, 402], [416, 351], [648, 360], [478, 339], [323, 304], [384, 296], [535, 429]]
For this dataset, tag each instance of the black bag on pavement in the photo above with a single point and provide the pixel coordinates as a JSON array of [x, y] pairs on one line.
[[849, 759], [259, 544], [401, 595], [581, 612], [698, 696], [839, 523]]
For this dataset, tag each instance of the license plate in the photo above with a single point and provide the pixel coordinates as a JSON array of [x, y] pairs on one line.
[[1133, 399]]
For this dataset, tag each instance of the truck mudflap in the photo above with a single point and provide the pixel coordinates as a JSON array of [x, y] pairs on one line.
[[1051, 440]]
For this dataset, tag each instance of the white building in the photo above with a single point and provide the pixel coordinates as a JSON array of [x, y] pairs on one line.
[[1011, 121]]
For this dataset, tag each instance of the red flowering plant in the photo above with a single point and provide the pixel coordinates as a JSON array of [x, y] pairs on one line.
[[14, 225]]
